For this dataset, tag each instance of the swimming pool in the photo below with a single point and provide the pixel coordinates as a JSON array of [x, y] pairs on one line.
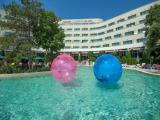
[[136, 97]]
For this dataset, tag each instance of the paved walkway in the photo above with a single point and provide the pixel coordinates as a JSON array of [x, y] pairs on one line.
[[148, 71], [2, 76]]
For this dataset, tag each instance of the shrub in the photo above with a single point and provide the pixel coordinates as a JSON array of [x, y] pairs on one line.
[[16, 69]]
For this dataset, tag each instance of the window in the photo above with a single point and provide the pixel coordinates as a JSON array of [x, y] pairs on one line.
[[101, 33], [93, 34], [121, 53], [112, 23], [69, 29], [144, 12], [141, 21], [92, 28], [129, 33], [9, 33], [108, 38], [117, 35], [67, 47], [96, 40], [116, 44], [127, 42], [141, 40], [109, 31], [132, 16], [96, 46], [84, 29], [76, 35], [130, 25], [101, 27], [75, 46], [67, 41], [106, 45], [84, 46], [68, 35], [141, 30], [119, 28], [76, 29], [84, 41], [84, 35], [76, 41], [121, 20]]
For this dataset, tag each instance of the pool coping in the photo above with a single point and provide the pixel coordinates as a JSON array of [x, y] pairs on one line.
[[15, 75], [146, 71]]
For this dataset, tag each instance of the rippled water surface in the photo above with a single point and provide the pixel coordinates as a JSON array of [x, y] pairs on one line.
[[136, 97]]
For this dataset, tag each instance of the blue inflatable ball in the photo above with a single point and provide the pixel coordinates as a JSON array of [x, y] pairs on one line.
[[107, 69]]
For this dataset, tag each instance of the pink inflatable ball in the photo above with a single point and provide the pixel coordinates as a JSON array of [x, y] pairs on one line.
[[63, 68]]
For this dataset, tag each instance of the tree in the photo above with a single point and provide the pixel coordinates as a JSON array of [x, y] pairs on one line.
[[91, 56], [101, 53], [19, 19], [123, 60], [33, 27], [152, 23], [47, 33], [116, 54], [14, 49], [6, 43]]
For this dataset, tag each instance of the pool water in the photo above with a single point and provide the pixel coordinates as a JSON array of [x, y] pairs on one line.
[[136, 97]]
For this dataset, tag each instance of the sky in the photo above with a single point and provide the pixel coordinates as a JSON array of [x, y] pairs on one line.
[[76, 9]]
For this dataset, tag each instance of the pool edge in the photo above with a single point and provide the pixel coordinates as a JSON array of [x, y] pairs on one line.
[[15, 75]]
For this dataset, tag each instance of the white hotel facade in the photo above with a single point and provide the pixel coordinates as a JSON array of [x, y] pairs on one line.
[[121, 33]]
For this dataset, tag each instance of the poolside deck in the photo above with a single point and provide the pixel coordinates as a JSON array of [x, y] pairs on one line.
[[133, 67], [147, 71], [3, 76]]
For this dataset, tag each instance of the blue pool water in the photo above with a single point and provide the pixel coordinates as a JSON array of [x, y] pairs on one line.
[[136, 97]]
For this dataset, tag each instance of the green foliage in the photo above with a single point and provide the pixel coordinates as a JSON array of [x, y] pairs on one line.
[[5, 69], [92, 59], [101, 53], [31, 27], [123, 60], [15, 49], [79, 56], [116, 54], [145, 57], [153, 16], [14, 69], [128, 57], [7, 44], [47, 33], [91, 56], [46, 58], [152, 22], [19, 19]]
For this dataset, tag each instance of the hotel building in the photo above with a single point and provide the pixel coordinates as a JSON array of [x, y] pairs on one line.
[[121, 33], [2, 31]]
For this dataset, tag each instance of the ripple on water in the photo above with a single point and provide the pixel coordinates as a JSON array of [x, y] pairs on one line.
[[135, 97]]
